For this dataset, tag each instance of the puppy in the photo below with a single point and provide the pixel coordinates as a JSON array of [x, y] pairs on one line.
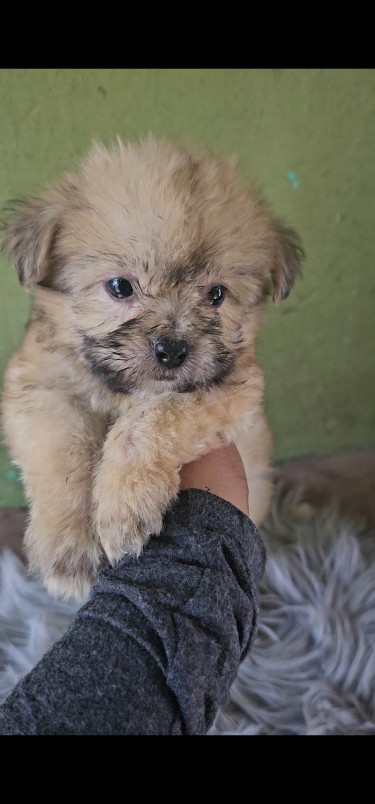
[[150, 268]]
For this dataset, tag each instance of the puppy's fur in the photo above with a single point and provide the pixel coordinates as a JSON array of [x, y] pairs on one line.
[[98, 420]]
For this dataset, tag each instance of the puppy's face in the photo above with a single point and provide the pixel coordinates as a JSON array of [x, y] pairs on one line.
[[166, 260]]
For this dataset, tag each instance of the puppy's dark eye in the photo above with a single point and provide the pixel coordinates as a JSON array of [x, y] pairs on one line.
[[119, 288], [217, 295]]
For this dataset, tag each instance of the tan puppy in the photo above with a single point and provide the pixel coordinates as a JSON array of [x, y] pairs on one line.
[[151, 266]]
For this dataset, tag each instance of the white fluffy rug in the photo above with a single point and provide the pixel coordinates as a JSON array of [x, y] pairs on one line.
[[311, 669]]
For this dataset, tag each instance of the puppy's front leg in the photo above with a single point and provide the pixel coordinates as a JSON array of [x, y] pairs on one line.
[[56, 444], [138, 476], [135, 482]]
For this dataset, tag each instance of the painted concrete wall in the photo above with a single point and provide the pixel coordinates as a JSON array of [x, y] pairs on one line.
[[308, 136]]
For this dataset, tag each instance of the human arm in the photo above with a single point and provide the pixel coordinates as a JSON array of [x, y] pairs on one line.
[[157, 646]]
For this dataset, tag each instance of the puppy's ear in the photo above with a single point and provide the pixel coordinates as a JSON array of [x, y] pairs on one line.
[[28, 233], [287, 262]]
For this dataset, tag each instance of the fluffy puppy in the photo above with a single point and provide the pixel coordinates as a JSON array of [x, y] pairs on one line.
[[150, 268]]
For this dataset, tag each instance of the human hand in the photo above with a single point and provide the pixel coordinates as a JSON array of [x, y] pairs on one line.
[[222, 473]]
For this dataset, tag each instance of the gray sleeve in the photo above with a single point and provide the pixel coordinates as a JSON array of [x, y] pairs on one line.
[[157, 646]]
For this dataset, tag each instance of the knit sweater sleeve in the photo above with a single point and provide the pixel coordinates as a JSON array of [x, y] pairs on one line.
[[157, 646]]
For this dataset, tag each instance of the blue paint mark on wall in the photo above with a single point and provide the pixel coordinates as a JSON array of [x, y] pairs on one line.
[[293, 177], [12, 475]]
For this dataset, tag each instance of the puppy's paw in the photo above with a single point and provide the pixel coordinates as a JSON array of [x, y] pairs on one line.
[[76, 586], [127, 515], [122, 533], [69, 565]]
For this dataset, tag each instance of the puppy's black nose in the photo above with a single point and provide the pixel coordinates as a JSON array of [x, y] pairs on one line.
[[169, 352]]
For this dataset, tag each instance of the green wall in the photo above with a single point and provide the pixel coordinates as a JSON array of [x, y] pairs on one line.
[[308, 137]]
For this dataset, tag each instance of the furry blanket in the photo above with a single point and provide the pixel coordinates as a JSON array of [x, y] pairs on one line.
[[311, 669]]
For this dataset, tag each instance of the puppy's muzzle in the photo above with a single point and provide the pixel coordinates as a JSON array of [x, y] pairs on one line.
[[170, 353]]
